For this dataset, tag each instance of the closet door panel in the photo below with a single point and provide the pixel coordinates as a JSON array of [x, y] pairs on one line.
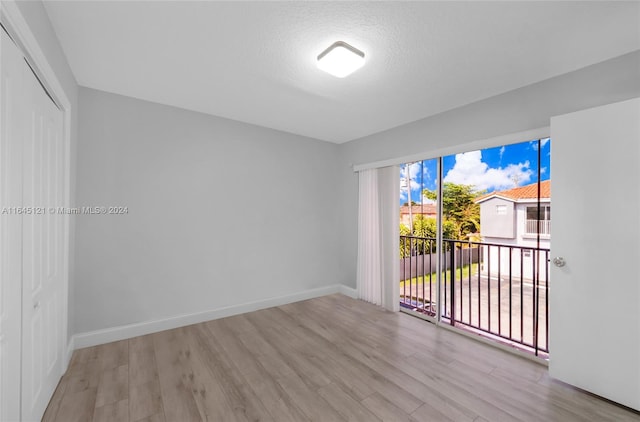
[[12, 105], [42, 275]]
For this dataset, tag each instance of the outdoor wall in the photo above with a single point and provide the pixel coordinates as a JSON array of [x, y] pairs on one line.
[[460, 129], [423, 265], [517, 262], [38, 21], [497, 225], [220, 213]]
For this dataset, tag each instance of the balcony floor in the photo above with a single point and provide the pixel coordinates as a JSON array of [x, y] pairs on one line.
[[330, 358], [487, 306]]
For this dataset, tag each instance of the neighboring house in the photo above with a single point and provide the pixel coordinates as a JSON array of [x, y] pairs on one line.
[[426, 210], [510, 217]]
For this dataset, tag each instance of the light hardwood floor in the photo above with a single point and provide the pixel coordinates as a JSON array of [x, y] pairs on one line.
[[326, 359]]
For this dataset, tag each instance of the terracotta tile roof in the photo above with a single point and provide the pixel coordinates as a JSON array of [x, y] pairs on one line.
[[426, 209], [521, 192]]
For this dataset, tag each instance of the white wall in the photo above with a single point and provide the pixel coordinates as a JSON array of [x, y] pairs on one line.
[[520, 110], [494, 225], [38, 21], [221, 213], [121, 152]]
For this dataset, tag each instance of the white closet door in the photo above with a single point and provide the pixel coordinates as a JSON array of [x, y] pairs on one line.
[[42, 256], [11, 134], [31, 240]]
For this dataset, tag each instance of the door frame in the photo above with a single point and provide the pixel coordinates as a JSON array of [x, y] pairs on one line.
[[15, 23]]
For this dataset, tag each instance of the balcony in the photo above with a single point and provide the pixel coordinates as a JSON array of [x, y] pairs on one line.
[[532, 227], [497, 291]]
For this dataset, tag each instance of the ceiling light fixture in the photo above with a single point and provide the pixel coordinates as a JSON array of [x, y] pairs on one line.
[[340, 59]]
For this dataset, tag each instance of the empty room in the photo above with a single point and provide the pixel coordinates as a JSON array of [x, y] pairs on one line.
[[319, 211]]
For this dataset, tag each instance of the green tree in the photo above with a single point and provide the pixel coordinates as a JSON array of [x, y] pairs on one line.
[[405, 245], [424, 228], [459, 208], [449, 230]]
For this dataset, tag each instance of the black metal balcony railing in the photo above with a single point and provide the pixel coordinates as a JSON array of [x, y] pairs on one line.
[[500, 291]]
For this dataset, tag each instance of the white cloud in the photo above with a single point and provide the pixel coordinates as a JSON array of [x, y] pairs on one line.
[[417, 174], [534, 144], [414, 170], [502, 149], [470, 170]]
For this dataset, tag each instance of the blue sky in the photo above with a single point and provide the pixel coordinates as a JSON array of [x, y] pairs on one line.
[[489, 169]]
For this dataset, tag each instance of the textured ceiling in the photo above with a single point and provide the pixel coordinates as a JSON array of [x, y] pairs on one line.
[[255, 61]]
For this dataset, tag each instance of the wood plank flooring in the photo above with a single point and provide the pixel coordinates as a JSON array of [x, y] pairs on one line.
[[326, 359]]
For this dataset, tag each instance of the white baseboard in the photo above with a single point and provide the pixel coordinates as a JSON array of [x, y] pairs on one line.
[[70, 348], [348, 291], [93, 338]]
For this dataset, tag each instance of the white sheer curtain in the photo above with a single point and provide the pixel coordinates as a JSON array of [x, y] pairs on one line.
[[369, 276], [378, 260]]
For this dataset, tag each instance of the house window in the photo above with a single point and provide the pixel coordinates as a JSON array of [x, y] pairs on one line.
[[532, 223], [501, 209]]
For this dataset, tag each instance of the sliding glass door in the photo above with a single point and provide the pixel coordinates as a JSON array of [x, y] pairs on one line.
[[475, 239]]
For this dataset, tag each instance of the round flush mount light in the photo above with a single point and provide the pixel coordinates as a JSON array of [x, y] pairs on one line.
[[340, 59]]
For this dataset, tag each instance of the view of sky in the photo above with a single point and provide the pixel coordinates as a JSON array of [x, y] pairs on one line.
[[491, 169]]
